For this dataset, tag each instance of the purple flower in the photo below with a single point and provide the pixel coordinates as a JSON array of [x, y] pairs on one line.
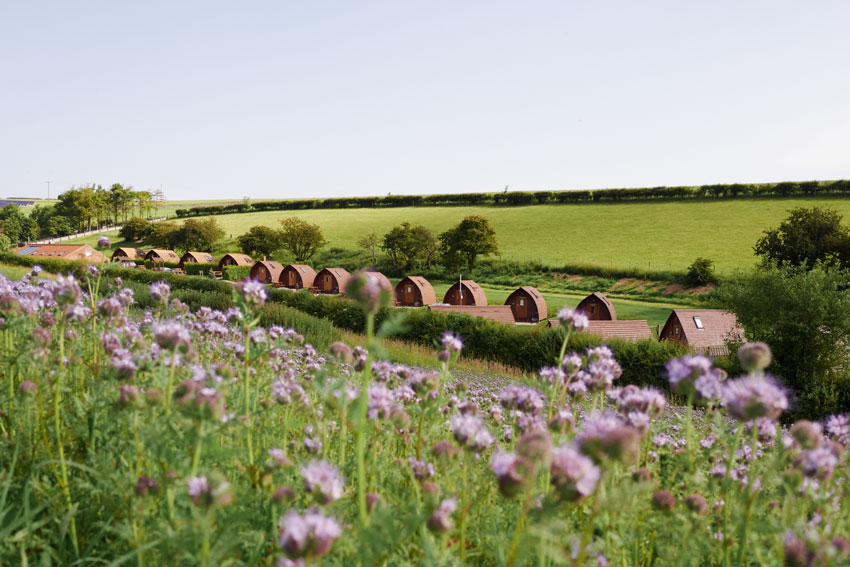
[[572, 319], [66, 290], [607, 435], [253, 293], [103, 242], [471, 432], [278, 457], [818, 463], [172, 336], [750, 398], [573, 475], [381, 402], [369, 289], [160, 291], [310, 535], [695, 375], [451, 342], [440, 520], [511, 472], [522, 398], [838, 427], [323, 479], [199, 489], [421, 469], [285, 391]]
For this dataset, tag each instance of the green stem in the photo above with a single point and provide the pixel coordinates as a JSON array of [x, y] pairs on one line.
[[57, 426], [246, 392], [196, 456], [745, 524], [463, 505], [360, 425], [558, 387], [520, 524], [170, 385], [587, 535]]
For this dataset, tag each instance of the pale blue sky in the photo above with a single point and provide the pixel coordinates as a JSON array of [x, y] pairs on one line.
[[297, 99]]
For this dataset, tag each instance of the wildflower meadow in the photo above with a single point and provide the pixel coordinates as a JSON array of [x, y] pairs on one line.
[[171, 437]]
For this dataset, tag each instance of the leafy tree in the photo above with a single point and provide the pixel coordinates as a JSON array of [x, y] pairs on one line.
[[135, 228], [301, 238], [260, 241], [805, 237], [802, 315], [16, 225], [408, 245], [370, 243], [472, 237], [59, 226], [5, 243], [162, 235], [200, 235], [701, 272]]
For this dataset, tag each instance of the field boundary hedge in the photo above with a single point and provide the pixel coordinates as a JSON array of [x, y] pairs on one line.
[[518, 198]]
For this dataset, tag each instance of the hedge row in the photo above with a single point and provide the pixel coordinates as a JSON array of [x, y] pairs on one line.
[[516, 198], [235, 273]]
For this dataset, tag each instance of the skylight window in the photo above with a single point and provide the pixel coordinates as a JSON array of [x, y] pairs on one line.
[[698, 323]]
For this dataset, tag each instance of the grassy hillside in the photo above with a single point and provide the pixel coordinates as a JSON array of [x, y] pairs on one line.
[[664, 236]]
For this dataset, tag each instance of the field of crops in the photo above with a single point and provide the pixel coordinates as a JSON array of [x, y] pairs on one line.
[[661, 236], [174, 438]]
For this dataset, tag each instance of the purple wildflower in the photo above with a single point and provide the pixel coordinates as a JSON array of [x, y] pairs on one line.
[[609, 436], [369, 289], [310, 535], [253, 293], [103, 242], [471, 432], [572, 319], [695, 375], [753, 397], [522, 398], [421, 469], [511, 472], [160, 291], [818, 463], [172, 336], [440, 520], [573, 474], [66, 290], [451, 342], [838, 427], [323, 479]]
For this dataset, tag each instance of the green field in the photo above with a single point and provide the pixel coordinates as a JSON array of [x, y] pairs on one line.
[[663, 236]]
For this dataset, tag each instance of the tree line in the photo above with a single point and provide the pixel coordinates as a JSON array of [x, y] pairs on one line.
[[406, 245], [78, 209], [519, 198]]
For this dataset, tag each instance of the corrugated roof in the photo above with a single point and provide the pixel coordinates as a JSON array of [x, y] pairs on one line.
[[469, 286], [499, 313], [718, 327], [426, 290], [633, 330]]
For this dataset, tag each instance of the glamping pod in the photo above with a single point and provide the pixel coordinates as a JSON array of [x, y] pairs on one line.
[[233, 259], [128, 255], [414, 291], [196, 258], [498, 313], [63, 252], [331, 280], [597, 307], [527, 305], [297, 276], [266, 271], [157, 255], [704, 330], [465, 292]]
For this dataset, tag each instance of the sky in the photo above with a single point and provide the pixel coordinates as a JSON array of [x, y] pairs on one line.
[[281, 99]]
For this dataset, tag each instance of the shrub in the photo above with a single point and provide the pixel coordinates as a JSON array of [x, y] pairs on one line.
[[701, 272], [235, 273]]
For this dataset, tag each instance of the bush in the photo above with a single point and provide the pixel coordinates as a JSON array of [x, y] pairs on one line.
[[198, 269], [235, 273], [701, 272]]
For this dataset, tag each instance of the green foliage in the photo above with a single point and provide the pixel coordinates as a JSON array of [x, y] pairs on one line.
[[701, 272], [410, 246], [301, 238], [135, 229], [802, 315], [5, 243], [805, 237], [235, 273], [260, 241], [198, 235], [162, 235], [16, 225], [462, 244], [198, 268]]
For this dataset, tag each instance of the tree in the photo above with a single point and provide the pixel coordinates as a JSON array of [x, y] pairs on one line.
[[409, 246], [369, 243], [701, 272], [805, 237], [301, 238], [260, 241], [200, 235], [16, 225], [135, 228], [472, 237], [802, 314], [162, 235]]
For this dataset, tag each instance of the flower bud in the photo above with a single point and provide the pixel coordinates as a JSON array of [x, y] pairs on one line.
[[754, 357]]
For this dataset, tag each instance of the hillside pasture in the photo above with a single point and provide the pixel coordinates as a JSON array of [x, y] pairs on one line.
[[660, 236]]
